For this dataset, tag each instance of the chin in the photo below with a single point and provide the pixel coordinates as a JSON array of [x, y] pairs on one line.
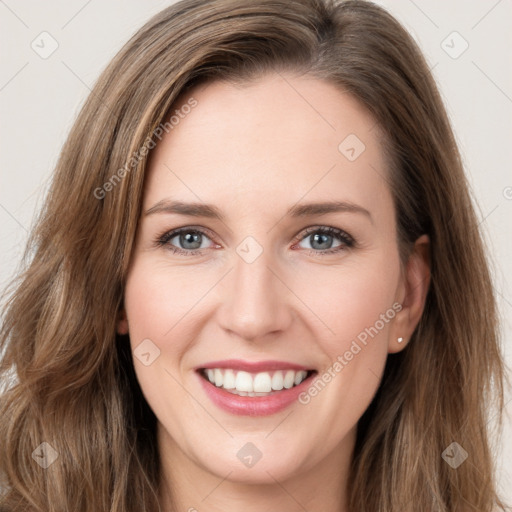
[[250, 466]]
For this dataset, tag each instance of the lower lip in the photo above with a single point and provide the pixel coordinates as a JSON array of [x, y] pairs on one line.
[[253, 405]]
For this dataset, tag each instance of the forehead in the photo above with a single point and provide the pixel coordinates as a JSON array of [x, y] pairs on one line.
[[281, 136]]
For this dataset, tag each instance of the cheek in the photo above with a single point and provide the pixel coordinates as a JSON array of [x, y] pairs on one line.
[[158, 296], [350, 300], [355, 304], [158, 300]]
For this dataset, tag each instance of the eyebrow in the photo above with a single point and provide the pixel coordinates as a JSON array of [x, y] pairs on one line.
[[298, 210]]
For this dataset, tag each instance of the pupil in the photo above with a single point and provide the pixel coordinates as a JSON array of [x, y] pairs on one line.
[[323, 239], [190, 238]]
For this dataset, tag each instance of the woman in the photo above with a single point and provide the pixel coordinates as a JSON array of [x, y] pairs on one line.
[[257, 281]]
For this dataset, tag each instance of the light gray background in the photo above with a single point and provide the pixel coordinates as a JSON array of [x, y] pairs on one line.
[[39, 99]]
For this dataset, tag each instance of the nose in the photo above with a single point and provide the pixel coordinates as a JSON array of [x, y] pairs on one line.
[[255, 300]]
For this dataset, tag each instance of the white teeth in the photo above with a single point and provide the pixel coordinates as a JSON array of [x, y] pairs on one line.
[[262, 383], [229, 379], [289, 379], [299, 377], [259, 384], [243, 381], [277, 381], [218, 377]]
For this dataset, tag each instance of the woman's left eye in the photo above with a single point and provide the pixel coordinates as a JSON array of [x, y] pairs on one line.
[[321, 240], [190, 241]]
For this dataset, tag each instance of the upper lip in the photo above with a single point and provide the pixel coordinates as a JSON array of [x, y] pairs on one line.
[[253, 366]]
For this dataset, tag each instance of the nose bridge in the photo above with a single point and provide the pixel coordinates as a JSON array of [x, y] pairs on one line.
[[256, 300]]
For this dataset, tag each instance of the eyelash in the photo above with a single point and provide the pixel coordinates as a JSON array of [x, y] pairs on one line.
[[347, 241]]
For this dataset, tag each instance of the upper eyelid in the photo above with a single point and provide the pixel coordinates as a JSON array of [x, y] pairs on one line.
[[174, 232], [320, 227]]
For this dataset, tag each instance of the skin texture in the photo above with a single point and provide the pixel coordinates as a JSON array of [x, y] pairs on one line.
[[255, 151]]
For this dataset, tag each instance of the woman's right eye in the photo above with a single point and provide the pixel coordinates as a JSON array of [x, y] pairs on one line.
[[184, 241]]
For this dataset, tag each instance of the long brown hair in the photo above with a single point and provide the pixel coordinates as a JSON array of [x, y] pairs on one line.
[[72, 383]]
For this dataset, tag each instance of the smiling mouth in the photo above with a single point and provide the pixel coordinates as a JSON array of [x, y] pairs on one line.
[[242, 383]]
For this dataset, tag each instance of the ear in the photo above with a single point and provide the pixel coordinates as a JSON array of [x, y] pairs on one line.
[[411, 294], [122, 322]]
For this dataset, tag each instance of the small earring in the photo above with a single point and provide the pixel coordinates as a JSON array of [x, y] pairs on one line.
[[400, 340]]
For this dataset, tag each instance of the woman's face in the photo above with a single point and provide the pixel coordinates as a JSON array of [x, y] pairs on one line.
[[286, 269]]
